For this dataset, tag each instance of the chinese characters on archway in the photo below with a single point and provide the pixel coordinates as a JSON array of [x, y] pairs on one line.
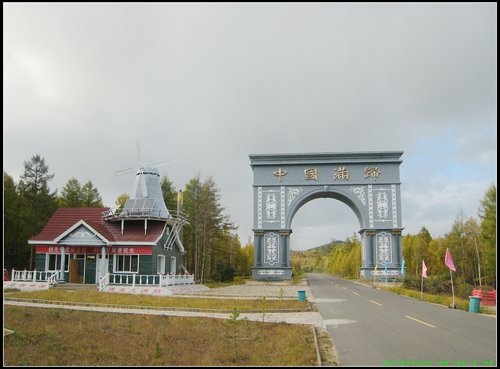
[[339, 174]]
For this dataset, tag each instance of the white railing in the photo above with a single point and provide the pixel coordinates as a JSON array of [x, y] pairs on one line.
[[49, 277], [175, 279], [103, 282], [32, 275], [151, 280], [52, 280]]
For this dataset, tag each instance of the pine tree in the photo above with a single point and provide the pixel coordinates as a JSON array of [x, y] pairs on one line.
[[71, 194], [169, 194], [36, 197], [90, 196], [16, 250]]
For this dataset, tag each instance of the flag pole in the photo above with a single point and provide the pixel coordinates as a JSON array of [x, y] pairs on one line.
[[448, 261], [452, 289], [422, 284]]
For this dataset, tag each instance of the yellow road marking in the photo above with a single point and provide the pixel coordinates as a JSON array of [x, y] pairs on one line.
[[420, 321], [376, 303], [355, 293]]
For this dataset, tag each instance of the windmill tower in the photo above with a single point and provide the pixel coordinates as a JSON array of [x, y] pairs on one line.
[[147, 197]]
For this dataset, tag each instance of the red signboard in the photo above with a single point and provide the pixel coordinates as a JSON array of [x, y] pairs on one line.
[[110, 250]]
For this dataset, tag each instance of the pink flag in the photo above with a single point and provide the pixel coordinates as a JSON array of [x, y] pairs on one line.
[[449, 261], [424, 269]]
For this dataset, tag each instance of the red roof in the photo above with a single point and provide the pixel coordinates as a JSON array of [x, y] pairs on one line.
[[65, 218]]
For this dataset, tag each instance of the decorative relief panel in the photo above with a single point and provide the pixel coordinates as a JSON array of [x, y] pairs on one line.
[[382, 207], [271, 272], [394, 206], [82, 234], [360, 193], [259, 207], [282, 202], [384, 249], [271, 248], [370, 206], [271, 206], [293, 192]]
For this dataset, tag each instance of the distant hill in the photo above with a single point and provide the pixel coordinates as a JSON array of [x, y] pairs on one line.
[[322, 250]]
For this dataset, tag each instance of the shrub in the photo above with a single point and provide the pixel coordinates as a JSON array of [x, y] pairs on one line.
[[223, 272]]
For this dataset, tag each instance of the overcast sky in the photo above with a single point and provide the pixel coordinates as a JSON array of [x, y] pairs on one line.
[[203, 85]]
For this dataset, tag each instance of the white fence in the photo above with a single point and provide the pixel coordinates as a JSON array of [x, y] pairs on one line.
[[109, 279], [151, 280], [145, 280], [34, 276]]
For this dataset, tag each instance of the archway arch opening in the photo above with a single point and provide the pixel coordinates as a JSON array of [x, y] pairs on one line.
[[321, 221]]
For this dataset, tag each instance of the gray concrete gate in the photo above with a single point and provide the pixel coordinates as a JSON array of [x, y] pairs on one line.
[[367, 182]]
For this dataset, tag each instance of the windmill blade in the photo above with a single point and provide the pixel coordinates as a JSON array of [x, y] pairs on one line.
[[124, 171], [141, 164]]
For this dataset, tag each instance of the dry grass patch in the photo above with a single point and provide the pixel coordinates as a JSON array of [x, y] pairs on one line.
[[96, 297], [58, 337]]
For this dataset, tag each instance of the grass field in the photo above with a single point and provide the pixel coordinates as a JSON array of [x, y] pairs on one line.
[[57, 337]]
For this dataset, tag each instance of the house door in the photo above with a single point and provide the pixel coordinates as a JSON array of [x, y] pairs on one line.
[[90, 266], [81, 267], [77, 269], [73, 271]]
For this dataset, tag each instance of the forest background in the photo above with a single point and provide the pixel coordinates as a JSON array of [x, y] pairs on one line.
[[215, 253]]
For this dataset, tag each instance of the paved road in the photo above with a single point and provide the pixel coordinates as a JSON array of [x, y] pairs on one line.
[[374, 327]]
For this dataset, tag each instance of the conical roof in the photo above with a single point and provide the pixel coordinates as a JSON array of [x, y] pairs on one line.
[[147, 197]]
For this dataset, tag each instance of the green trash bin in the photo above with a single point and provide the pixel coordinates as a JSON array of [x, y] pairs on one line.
[[474, 304], [301, 295]]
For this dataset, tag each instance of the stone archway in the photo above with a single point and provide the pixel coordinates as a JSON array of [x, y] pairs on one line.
[[367, 182]]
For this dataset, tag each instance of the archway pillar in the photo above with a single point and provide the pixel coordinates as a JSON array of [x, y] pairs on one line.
[[368, 248], [382, 254], [272, 255], [397, 247]]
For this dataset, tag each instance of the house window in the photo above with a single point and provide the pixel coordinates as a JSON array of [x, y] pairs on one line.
[[126, 263], [160, 264], [53, 262]]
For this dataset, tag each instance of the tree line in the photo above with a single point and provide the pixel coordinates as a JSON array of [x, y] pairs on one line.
[[214, 251], [213, 248]]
